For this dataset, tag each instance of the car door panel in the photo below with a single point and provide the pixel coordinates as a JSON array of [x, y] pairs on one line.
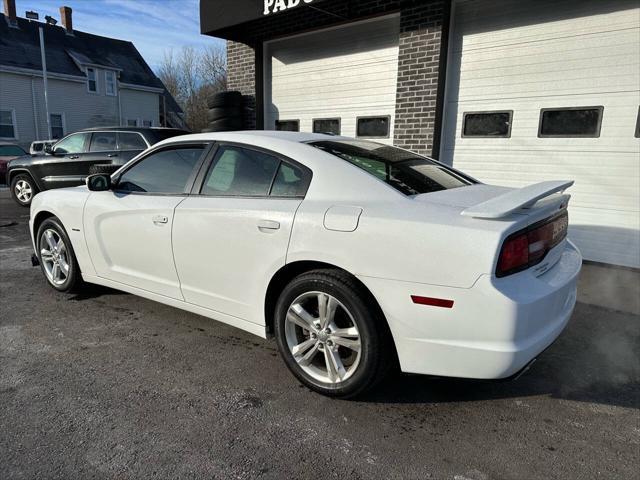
[[129, 240], [227, 249]]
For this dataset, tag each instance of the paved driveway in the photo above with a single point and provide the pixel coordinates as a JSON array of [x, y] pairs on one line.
[[104, 384]]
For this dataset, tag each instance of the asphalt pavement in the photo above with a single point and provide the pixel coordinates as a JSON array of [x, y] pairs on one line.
[[103, 384]]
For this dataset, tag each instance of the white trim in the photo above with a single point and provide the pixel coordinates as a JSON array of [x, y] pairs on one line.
[[106, 83], [64, 124], [95, 79], [38, 73], [142, 88], [14, 124]]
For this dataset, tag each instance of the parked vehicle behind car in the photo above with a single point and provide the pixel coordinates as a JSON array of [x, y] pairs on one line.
[[71, 159], [356, 256], [39, 146], [8, 151]]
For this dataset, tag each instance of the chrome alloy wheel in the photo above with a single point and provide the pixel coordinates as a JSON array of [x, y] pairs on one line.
[[23, 191], [54, 257], [323, 337]]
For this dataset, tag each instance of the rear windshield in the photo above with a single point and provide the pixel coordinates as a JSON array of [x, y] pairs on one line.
[[11, 150], [407, 172]]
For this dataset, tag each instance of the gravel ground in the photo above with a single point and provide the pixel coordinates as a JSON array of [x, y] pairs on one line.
[[105, 384]]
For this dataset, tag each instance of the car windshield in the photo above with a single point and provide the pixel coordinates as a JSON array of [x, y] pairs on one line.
[[11, 151], [407, 172]]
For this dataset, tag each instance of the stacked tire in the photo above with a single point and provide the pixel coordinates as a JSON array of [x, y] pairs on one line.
[[225, 112]]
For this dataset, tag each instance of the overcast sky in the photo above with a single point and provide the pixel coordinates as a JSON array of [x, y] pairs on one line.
[[152, 25]]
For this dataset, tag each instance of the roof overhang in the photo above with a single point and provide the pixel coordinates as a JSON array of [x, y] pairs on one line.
[[220, 18]]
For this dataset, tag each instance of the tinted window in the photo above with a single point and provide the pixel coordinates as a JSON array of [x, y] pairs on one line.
[[327, 125], [72, 144], [57, 125], [407, 172], [167, 171], [288, 125], [92, 84], [290, 181], [11, 151], [487, 124], [103, 142], [570, 122], [240, 171], [6, 124], [130, 141], [373, 127]]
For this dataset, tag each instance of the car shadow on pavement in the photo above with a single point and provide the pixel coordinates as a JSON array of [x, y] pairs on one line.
[[596, 360], [91, 291]]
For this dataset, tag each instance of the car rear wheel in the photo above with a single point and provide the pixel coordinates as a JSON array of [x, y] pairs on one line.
[[57, 259], [23, 189], [331, 334]]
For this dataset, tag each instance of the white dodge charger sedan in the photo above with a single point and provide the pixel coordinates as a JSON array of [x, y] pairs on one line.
[[356, 256]]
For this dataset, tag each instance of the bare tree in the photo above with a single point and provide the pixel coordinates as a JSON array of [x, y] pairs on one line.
[[191, 76]]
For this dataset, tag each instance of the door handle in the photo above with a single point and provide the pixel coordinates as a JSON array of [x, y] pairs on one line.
[[73, 157], [111, 155], [268, 226], [159, 219]]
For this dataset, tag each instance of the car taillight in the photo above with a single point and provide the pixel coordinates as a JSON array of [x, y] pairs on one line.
[[529, 246]]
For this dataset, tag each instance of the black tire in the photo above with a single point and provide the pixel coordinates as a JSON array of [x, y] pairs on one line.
[[19, 192], [219, 112], [226, 124], [73, 278], [377, 351], [225, 99], [105, 168]]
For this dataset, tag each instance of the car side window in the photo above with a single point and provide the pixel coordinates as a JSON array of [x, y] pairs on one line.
[[74, 143], [102, 142], [238, 171], [290, 181], [130, 141], [166, 171]]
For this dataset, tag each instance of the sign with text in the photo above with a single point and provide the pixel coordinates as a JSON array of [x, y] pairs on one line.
[[274, 6]]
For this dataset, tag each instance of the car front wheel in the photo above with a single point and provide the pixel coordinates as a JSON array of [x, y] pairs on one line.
[[57, 259], [331, 334], [23, 189]]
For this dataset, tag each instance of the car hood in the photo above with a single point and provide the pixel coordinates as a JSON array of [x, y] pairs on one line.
[[19, 161]]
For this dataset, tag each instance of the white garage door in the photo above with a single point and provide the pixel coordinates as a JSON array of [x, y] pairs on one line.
[[336, 75], [524, 56]]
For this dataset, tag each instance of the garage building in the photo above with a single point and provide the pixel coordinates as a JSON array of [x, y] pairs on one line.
[[512, 92]]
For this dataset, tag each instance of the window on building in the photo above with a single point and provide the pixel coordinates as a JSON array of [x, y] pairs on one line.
[[7, 124], [570, 122], [110, 82], [130, 141], [373, 127], [132, 122], [57, 125], [103, 142], [487, 124], [166, 171], [288, 125], [241, 172], [147, 123], [92, 82], [327, 125]]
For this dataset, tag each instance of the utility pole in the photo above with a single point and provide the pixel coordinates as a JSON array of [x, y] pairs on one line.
[[44, 77]]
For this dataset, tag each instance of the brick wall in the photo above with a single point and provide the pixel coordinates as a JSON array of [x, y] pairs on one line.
[[421, 24]]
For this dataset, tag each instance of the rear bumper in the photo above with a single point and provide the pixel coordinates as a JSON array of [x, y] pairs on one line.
[[494, 328]]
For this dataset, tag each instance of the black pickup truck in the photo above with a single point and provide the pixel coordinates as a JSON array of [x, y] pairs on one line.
[[70, 160]]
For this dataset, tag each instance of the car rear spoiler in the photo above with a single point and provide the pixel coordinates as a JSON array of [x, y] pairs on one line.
[[503, 205]]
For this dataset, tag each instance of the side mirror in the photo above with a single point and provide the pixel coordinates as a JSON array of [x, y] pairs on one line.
[[99, 182], [48, 148]]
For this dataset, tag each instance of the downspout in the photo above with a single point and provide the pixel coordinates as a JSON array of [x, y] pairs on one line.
[[119, 102], [34, 107]]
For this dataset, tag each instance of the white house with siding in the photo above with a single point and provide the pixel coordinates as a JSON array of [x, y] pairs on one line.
[[92, 81]]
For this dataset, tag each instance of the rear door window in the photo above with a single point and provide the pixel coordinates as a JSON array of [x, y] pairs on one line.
[[130, 141], [103, 142]]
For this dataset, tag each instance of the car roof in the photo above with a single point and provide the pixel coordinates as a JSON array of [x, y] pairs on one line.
[[295, 137], [131, 129]]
